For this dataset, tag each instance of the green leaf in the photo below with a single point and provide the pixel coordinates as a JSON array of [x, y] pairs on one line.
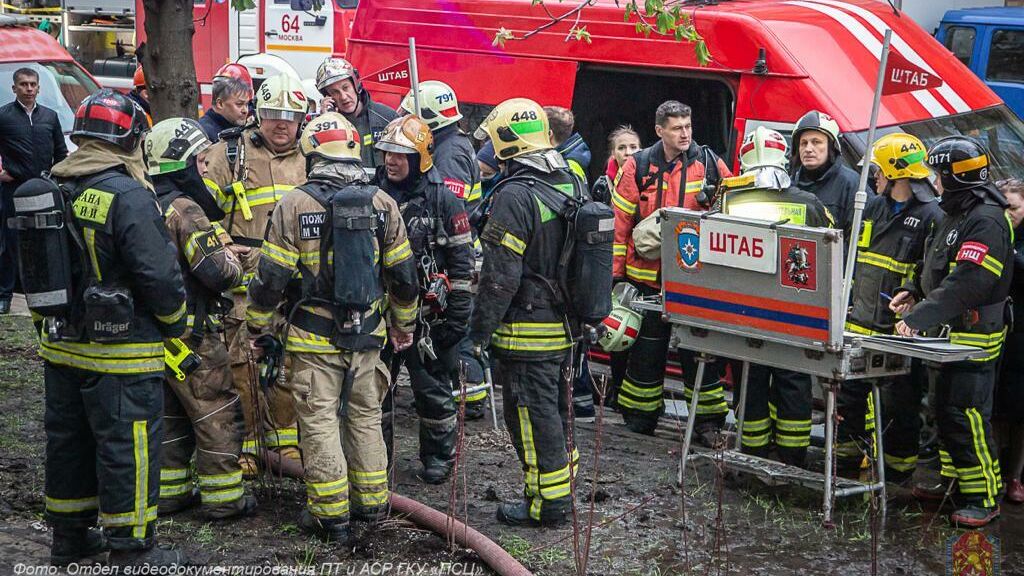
[[630, 9], [243, 4], [581, 33], [650, 7], [703, 54], [663, 23], [501, 36], [536, 2]]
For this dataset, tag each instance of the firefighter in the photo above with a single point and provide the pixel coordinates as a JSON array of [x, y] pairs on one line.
[[819, 169], [338, 80], [963, 283], [672, 172], [140, 94], [347, 238], [456, 164], [230, 101], [519, 315], [251, 169], [895, 225], [202, 414], [778, 401], [441, 241], [104, 367]]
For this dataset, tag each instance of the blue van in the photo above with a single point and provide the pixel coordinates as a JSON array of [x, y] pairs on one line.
[[990, 41]]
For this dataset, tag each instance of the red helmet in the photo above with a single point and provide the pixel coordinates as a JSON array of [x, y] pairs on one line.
[[139, 78], [234, 70]]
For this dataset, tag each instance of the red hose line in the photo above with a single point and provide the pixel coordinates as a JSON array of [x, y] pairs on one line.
[[493, 555]]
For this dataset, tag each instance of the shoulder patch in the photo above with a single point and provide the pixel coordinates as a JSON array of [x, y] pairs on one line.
[[460, 223], [310, 224], [458, 187], [93, 206], [972, 252], [208, 243], [494, 232]]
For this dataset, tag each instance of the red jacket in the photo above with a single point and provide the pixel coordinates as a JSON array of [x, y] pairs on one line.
[[632, 205]]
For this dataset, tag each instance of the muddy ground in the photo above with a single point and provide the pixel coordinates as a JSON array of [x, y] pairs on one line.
[[731, 526]]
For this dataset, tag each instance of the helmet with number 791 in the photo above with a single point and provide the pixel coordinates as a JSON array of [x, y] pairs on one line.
[[622, 326], [438, 105], [516, 126]]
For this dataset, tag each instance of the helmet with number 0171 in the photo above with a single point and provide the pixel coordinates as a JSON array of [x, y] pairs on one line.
[[517, 126], [961, 162]]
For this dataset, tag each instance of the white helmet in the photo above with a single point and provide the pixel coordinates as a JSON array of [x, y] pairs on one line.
[[281, 98], [763, 147], [334, 70], [438, 105], [622, 326]]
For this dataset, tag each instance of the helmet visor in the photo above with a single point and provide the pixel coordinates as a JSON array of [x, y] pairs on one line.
[[274, 114], [392, 147]]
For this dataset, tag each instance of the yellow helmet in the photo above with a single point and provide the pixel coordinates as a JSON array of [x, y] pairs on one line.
[[281, 98], [409, 135], [516, 127], [900, 155], [331, 136]]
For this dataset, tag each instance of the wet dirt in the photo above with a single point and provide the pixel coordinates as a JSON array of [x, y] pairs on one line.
[[642, 524]]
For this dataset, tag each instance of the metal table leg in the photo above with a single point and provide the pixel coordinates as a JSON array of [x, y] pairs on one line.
[[691, 416], [879, 447], [741, 404], [830, 411]]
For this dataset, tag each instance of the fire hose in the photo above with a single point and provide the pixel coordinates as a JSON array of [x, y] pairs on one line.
[[422, 515]]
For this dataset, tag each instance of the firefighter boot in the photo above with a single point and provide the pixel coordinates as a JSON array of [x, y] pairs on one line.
[[245, 506], [475, 410], [152, 556], [169, 506], [936, 492], [250, 466], [437, 448], [74, 544], [553, 513], [974, 516], [329, 530]]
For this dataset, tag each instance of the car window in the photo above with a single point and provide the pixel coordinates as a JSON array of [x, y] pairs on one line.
[[960, 41], [62, 87], [1006, 56]]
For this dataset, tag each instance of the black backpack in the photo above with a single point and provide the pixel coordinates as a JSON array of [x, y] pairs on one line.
[[585, 262]]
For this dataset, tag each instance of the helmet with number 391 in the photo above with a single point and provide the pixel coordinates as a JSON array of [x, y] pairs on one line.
[[331, 136]]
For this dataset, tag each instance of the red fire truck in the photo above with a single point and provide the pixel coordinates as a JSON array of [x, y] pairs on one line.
[[277, 37]]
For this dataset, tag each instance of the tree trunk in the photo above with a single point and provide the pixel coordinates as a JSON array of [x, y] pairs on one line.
[[167, 59]]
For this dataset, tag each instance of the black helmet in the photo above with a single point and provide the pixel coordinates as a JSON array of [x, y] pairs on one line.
[[821, 122], [110, 116], [960, 161]]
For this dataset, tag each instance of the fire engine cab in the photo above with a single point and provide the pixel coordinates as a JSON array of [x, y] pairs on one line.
[[277, 37]]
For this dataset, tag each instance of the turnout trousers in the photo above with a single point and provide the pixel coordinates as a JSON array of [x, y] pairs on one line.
[[711, 405], [343, 456], [202, 416], [640, 397], [901, 422], [963, 411], [432, 383], [536, 406], [103, 436], [278, 413], [778, 407]]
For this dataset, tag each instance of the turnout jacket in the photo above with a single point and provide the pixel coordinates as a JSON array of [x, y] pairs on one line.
[[455, 163], [836, 188], [370, 124], [681, 180], [209, 267], [292, 246], [966, 273], [799, 207], [519, 308], [126, 246], [438, 227], [888, 249], [254, 175]]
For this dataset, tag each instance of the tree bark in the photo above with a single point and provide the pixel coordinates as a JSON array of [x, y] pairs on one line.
[[167, 59]]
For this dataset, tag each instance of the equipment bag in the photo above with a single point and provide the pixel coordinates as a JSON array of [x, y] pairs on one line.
[[647, 237], [585, 263], [45, 248]]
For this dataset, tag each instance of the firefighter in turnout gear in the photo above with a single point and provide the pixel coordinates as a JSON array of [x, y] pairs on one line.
[[455, 162], [338, 80], [251, 170], [896, 223], [520, 314], [104, 363], [202, 414], [673, 172], [963, 283], [778, 401], [347, 240], [441, 241]]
